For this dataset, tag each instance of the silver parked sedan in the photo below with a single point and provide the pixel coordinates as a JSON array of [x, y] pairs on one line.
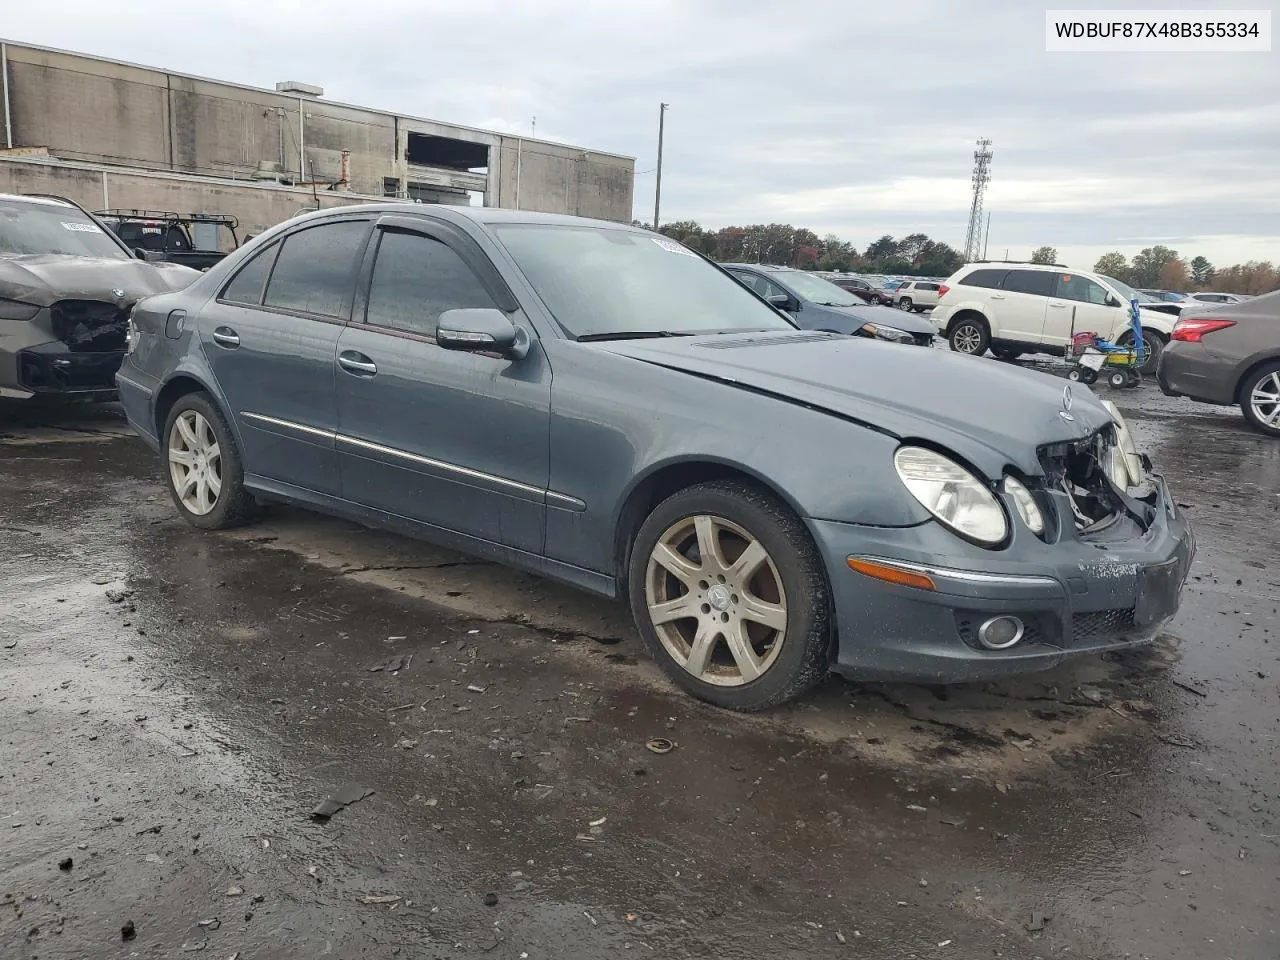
[[601, 405]]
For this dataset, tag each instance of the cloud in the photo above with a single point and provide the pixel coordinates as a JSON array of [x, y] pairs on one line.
[[858, 122]]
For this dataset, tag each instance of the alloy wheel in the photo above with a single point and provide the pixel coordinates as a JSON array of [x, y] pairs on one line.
[[716, 600], [1264, 398], [967, 338], [195, 462]]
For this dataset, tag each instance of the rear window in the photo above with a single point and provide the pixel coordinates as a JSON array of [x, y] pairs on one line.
[[990, 279]]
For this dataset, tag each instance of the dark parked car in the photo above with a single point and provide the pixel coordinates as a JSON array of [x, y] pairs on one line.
[[601, 405], [864, 290], [1228, 355], [196, 240], [818, 304], [66, 287]]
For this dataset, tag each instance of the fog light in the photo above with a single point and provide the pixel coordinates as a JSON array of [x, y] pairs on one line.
[[1000, 633]]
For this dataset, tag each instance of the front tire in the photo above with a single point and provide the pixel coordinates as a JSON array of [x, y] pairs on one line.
[[906, 304], [1260, 399], [969, 335], [203, 470], [730, 596]]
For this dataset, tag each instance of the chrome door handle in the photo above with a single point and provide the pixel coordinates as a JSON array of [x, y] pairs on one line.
[[357, 364], [996, 296], [1058, 306], [226, 337]]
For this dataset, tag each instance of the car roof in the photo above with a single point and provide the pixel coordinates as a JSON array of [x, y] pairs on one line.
[[1022, 265], [42, 201], [772, 267], [481, 215]]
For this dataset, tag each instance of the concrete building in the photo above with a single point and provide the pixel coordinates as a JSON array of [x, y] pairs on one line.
[[113, 134]]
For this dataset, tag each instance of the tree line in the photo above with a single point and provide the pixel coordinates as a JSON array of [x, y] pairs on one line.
[[782, 244], [1162, 268]]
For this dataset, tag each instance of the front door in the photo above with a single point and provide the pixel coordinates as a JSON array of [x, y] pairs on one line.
[[1080, 304], [456, 440], [271, 338]]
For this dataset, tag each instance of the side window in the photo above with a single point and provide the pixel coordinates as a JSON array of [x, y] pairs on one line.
[[246, 286], [1080, 289], [928, 286], [991, 279], [415, 279], [1036, 282], [316, 269], [769, 289]]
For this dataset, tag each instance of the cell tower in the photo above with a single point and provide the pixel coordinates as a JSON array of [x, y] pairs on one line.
[[981, 177]]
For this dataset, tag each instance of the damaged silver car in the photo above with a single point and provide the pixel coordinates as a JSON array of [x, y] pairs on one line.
[[67, 286]]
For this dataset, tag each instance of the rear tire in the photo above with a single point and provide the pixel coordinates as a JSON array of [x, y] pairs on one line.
[[1260, 399], [1154, 341], [745, 623], [969, 335], [1118, 380], [202, 465]]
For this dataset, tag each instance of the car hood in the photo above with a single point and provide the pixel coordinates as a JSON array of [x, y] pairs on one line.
[[991, 413], [887, 316], [44, 279]]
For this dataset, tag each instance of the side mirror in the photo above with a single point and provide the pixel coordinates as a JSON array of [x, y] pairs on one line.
[[140, 253], [1113, 300], [483, 330], [781, 301]]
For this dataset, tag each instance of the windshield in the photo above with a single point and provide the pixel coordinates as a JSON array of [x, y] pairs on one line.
[[815, 289], [598, 281], [32, 228], [1126, 292]]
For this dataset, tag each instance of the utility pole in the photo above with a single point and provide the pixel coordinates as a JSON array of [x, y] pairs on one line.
[[657, 189], [981, 177]]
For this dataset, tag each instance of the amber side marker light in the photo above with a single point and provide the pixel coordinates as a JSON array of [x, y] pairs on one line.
[[891, 574]]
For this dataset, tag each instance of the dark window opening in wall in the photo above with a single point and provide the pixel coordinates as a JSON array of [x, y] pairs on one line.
[[391, 186], [431, 151]]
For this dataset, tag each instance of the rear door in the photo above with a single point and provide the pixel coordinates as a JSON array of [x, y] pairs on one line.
[[1080, 304], [457, 440], [1023, 302], [271, 339]]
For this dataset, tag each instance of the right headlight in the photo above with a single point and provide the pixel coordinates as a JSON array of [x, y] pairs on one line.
[[17, 310], [952, 494]]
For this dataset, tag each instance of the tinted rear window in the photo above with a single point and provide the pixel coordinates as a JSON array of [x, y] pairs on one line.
[[991, 279], [1038, 282]]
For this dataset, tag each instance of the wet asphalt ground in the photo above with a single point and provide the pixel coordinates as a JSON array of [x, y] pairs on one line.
[[175, 704]]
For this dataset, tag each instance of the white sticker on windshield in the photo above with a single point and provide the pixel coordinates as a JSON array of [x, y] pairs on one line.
[[79, 226], [672, 247]]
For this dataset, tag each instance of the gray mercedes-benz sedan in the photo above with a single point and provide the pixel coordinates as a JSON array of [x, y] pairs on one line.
[[601, 405]]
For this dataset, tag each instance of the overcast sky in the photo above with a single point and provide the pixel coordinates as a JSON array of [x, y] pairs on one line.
[[856, 119]]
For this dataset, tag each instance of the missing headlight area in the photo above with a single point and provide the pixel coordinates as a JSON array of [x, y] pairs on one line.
[[90, 326], [1093, 475]]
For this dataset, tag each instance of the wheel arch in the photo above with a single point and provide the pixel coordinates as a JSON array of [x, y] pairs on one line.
[[671, 476], [968, 313], [1250, 368], [179, 385]]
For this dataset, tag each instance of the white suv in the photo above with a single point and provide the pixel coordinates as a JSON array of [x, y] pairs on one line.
[[1017, 308], [917, 295]]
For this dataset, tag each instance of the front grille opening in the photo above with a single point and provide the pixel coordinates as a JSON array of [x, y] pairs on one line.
[[1101, 624], [1076, 469], [90, 326]]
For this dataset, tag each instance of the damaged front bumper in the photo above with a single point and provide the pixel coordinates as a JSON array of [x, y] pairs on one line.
[[1097, 581], [72, 348]]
